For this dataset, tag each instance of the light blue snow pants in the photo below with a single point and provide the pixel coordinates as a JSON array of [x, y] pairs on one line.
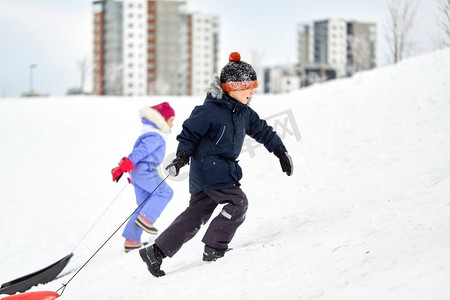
[[145, 179]]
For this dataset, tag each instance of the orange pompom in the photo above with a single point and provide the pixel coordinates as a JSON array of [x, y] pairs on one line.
[[234, 56]]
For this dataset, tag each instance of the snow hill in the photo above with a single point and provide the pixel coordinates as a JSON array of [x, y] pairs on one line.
[[366, 214]]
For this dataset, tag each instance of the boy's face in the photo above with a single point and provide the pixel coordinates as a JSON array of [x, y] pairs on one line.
[[242, 96]]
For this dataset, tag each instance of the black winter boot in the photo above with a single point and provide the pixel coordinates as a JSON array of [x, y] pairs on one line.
[[212, 254], [153, 257]]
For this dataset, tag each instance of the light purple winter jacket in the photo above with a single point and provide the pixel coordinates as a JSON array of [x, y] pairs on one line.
[[148, 153], [149, 148]]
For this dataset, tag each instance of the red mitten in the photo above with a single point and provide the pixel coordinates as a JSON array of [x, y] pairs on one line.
[[125, 165], [116, 174]]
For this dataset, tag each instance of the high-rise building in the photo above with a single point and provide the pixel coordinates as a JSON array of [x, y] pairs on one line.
[[108, 45], [346, 46], [330, 44], [305, 44], [134, 48], [149, 47], [168, 48], [204, 46]]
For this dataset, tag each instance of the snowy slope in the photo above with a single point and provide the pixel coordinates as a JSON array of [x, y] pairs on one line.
[[365, 215]]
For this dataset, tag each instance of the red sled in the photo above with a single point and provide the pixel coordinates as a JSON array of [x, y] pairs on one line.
[[42, 295]]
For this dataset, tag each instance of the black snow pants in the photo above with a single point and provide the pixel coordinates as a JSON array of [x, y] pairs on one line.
[[201, 206]]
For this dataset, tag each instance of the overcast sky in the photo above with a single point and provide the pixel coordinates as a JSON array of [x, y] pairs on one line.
[[54, 34]]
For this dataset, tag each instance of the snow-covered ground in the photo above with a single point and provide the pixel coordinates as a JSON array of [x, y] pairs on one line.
[[366, 214]]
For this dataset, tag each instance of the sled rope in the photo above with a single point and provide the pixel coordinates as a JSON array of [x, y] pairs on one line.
[[99, 217], [64, 285]]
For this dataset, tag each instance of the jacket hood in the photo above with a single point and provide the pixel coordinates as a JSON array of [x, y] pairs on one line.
[[214, 88], [217, 95], [154, 117]]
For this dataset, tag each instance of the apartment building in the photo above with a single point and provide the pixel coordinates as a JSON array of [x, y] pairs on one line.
[[204, 51], [346, 46], [108, 52], [134, 47], [152, 47], [288, 78], [305, 43], [330, 44]]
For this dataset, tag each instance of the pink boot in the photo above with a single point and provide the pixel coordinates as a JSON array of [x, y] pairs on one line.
[[145, 224], [131, 245]]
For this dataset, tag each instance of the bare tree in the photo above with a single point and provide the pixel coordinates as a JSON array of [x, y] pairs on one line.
[[83, 68], [444, 23], [401, 19], [361, 52], [113, 79]]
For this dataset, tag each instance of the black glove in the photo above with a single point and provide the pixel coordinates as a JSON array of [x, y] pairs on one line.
[[285, 159], [180, 161]]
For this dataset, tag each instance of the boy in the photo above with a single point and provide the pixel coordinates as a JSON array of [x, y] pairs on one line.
[[212, 138]]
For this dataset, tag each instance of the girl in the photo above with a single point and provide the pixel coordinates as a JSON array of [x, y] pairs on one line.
[[148, 153]]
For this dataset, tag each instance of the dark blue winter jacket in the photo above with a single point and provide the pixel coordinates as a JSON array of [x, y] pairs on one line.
[[213, 136]]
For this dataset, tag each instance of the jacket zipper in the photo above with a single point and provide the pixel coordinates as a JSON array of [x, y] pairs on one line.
[[234, 125], [221, 135]]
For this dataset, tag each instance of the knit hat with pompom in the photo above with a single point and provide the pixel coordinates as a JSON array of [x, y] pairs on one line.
[[237, 75]]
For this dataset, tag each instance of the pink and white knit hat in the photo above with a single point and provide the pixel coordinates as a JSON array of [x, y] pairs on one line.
[[165, 110]]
